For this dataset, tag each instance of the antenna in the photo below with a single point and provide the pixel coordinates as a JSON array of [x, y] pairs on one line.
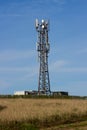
[[36, 23]]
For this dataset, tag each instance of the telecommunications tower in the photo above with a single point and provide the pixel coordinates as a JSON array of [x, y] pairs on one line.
[[43, 48]]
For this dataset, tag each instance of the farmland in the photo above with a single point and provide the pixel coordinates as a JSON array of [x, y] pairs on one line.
[[49, 114]]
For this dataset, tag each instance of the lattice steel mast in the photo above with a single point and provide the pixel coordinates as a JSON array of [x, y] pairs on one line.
[[43, 48]]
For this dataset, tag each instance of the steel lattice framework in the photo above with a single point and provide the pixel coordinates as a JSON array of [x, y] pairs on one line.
[[43, 48]]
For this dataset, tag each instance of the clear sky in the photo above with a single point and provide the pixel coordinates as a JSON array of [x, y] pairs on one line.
[[68, 40]]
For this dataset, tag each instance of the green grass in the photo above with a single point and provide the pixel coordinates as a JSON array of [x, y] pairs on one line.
[[70, 126], [18, 126], [79, 125], [43, 96]]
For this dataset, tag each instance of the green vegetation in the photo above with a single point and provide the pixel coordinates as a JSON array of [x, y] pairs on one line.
[[73, 126], [82, 125], [17, 126], [43, 96]]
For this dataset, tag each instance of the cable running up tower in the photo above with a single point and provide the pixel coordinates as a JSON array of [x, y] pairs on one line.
[[43, 48]]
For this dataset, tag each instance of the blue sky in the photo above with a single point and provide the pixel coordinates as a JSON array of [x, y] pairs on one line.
[[68, 40]]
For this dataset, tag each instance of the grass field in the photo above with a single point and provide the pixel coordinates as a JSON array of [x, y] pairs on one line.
[[49, 114]]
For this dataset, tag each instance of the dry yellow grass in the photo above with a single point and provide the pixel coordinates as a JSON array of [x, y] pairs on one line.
[[25, 109]]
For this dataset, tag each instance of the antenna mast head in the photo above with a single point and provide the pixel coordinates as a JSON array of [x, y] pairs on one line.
[[36, 24]]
